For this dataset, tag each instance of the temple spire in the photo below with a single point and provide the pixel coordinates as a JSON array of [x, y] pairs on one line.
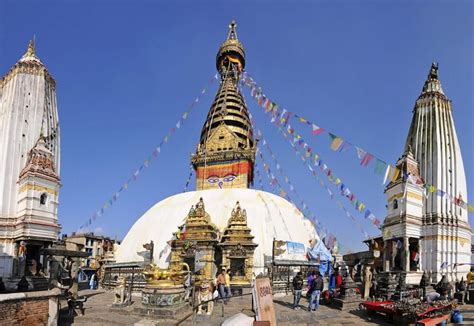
[[30, 54], [432, 83], [226, 151]]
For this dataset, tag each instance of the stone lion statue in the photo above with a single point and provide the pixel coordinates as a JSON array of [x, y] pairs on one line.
[[205, 294], [120, 291]]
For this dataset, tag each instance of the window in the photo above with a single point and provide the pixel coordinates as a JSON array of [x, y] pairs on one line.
[[395, 204], [43, 199]]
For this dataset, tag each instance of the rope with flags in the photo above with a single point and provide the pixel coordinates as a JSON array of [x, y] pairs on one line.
[[149, 159], [324, 186], [338, 144], [188, 181], [322, 230]]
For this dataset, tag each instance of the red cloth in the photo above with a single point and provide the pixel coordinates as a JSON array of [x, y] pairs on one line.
[[338, 281]]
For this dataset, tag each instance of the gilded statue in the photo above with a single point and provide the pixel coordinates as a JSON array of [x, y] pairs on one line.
[[165, 277]]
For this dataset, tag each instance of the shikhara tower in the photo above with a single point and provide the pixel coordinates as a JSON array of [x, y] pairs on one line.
[[432, 221], [29, 163], [226, 152]]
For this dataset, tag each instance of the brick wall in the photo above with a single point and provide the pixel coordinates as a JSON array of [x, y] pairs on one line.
[[29, 308]]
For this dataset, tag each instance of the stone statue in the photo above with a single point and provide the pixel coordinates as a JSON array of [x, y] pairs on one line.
[[205, 294], [120, 291], [367, 282]]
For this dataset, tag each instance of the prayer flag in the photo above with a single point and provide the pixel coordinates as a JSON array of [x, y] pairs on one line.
[[360, 152], [317, 130], [470, 208], [303, 120], [146, 163], [185, 115], [379, 166], [336, 142], [366, 159]]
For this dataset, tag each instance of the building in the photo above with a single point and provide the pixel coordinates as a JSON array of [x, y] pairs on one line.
[[100, 249], [427, 228], [224, 222], [29, 166]]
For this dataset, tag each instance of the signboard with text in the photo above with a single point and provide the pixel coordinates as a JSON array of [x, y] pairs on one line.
[[263, 300], [289, 251]]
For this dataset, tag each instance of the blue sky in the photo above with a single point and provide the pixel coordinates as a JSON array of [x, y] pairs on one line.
[[127, 70]]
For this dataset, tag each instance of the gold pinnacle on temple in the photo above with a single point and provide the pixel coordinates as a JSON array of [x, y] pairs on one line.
[[226, 151]]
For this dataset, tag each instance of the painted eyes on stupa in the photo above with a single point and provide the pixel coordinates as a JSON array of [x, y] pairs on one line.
[[220, 181], [229, 178], [213, 179]]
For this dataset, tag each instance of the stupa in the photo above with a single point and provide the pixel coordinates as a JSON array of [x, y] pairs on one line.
[[224, 222]]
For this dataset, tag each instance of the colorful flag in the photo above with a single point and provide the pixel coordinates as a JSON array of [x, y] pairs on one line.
[[379, 166], [360, 152], [336, 142], [317, 130], [366, 159]]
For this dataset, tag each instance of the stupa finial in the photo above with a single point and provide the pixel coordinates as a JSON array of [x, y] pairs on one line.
[[433, 71], [232, 30]]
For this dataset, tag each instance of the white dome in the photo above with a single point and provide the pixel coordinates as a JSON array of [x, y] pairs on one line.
[[268, 217]]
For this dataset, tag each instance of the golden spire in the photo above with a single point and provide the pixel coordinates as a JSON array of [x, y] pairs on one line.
[[31, 49], [226, 141]]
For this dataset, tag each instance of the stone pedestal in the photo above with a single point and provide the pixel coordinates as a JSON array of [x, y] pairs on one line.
[[349, 299], [387, 285], [167, 301]]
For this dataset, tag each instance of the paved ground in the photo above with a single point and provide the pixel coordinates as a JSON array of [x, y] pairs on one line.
[[100, 312]]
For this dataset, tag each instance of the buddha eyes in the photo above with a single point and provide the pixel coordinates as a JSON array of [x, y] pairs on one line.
[[229, 178], [213, 179]]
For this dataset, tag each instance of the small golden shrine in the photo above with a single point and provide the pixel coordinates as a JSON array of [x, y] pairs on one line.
[[198, 237], [238, 247]]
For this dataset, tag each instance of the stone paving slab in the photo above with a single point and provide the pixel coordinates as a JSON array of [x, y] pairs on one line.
[[99, 311]]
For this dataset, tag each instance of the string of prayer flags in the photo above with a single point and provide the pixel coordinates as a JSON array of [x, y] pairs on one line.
[[323, 185], [280, 170], [338, 144], [188, 181], [148, 160], [278, 189]]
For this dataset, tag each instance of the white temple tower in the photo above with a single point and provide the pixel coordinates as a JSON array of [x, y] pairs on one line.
[[443, 227], [29, 163]]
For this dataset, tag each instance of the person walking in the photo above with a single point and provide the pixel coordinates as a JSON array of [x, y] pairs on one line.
[[221, 285], [92, 282], [297, 288], [316, 288]]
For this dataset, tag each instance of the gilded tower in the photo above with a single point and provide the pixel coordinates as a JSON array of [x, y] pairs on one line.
[[226, 151]]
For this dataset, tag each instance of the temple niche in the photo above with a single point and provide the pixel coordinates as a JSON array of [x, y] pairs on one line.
[[238, 247], [198, 236]]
